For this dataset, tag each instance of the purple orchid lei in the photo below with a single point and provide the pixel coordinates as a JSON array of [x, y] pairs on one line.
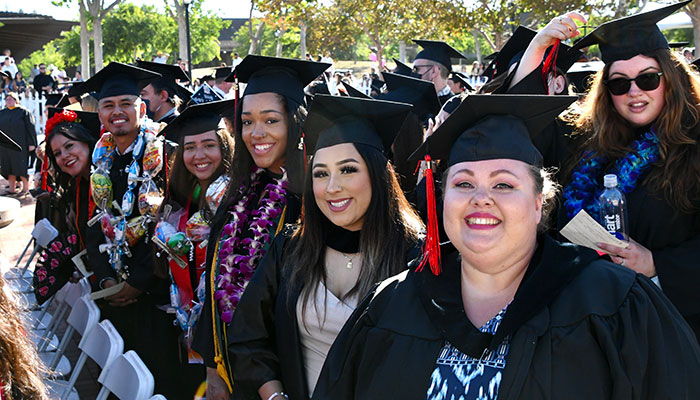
[[584, 188], [238, 257]]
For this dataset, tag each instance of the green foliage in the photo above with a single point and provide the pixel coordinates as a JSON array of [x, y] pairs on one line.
[[130, 32], [48, 55], [268, 41], [204, 32]]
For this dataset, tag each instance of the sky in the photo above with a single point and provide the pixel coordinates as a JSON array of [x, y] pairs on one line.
[[222, 8]]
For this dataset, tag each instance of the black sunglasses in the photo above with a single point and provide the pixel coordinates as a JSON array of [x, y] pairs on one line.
[[646, 81]]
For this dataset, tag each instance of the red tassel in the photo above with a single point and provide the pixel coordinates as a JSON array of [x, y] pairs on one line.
[[550, 63], [44, 168], [431, 246]]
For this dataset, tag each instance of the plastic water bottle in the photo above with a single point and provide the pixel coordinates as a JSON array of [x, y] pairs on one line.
[[613, 208]]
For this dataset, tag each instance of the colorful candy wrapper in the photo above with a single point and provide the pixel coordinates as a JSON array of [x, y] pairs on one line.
[[164, 230], [135, 229], [101, 188], [150, 198], [107, 228], [179, 243], [197, 227], [103, 154], [153, 158], [216, 192]]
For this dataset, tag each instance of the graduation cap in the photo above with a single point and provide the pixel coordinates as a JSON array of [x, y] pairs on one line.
[[493, 126], [437, 51], [352, 92], [89, 120], [6, 74], [198, 118], [696, 63], [401, 68], [624, 38], [377, 84], [677, 45], [53, 99], [511, 50], [285, 76], [222, 72], [451, 104], [76, 89], [204, 94], [170, 75], [206, 78], [334, 120], [8, 143], [459, 77], [421, 94], [491, 56], [118, 79], [579, 72]]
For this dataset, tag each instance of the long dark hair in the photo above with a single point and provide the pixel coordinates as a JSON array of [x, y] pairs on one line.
[[64, 193], [676, 172], [182, 184], [243, 163], [390, 228]]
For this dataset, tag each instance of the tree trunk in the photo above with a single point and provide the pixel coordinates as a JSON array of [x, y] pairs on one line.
[[693, 11], [255, 38], [84, 43], [402, 51], [181, 30], [477, 45], [280, 33], [302, 40], [97, 42]]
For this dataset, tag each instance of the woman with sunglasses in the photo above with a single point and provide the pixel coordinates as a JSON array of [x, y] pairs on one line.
[[640, 121], [265, 181]]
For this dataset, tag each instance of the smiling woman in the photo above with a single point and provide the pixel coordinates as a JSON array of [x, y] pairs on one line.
[[265, 181], [511, 308], [357, 229]]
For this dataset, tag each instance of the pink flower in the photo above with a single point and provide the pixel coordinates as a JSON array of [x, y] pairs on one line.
[[54, 263], [44, 290], [41, 273]]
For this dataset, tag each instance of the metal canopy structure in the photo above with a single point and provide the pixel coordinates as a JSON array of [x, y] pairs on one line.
[[25, 33]]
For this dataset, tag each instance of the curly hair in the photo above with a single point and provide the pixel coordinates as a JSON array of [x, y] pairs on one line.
[[20, 367], [608, 134]]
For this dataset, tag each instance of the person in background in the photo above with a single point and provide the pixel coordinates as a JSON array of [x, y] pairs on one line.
[[18, 123], [43, 83], [18, 84], [641, 121]]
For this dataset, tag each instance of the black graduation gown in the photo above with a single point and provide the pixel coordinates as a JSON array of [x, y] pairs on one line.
[[203, 342], [673, 237], [144, 327], [581, 328], [18, 124]]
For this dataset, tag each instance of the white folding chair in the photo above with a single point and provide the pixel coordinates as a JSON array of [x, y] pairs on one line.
[[127, 378], [83, 316], [42, 234], [102, 344], [73, 291]]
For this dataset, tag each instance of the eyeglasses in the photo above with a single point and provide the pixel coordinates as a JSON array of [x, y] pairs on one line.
[[646, 81], [415, 67]]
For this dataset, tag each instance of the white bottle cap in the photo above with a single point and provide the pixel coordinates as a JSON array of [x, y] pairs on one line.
[[610, 180]]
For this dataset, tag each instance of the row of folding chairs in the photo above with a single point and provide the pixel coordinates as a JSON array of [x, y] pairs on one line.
[[122, 374]]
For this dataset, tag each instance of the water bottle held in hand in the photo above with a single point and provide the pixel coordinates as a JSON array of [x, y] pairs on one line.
[[613, 208]]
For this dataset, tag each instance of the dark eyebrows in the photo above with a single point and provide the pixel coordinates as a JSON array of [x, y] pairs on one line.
[[491, 175], [203, 141], [640, 72], [262, 112], [341, 162]]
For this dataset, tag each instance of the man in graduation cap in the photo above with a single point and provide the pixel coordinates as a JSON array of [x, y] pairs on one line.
[[434, 63], [221, 86], [118, 250], [164, 95]]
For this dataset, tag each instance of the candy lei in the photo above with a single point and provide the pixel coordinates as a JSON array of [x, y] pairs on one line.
[[584, 189], [238, 257], [120, 233]]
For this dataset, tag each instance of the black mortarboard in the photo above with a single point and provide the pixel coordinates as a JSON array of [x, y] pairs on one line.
[[206, 78], [696, 63], [401, 68], [580, 72], [334, 120], [285, 76], [89, 120], [8, 143], [493, 126], [205, 94], [118, 79], [459, 77], [167, 71], [491, 56], [624, 38], [352, 92], [222, 72], [451, 104], [52, 99], [6, 74], [406, 89], [76, 90], [514, 47], [677, 45], [198, 118], [437, 51], [377, 84]]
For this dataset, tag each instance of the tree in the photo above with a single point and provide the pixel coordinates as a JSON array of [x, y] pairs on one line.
[[268, 40], [693, 10], [179, 16], [281, 15], [48, 55]]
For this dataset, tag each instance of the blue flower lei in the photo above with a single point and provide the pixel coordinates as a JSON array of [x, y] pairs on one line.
[[584, 188]]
